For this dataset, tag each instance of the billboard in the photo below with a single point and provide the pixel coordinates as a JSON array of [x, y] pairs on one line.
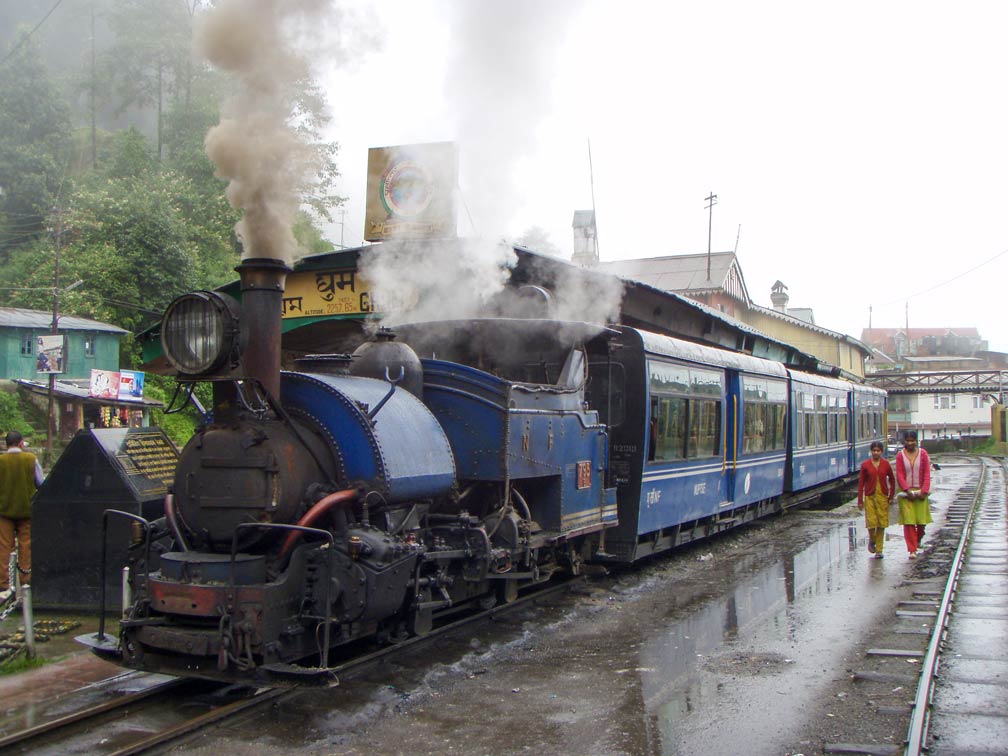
[[411, 192], [131, 383], [50, 353], [104, 384], [121, 385]]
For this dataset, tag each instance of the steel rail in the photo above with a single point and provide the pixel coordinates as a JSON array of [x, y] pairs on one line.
[[921, 713], [277, 695], [48, 727], [262, 696], [199, 722]]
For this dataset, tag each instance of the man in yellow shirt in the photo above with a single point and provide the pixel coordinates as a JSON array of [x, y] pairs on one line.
[[20, 475]]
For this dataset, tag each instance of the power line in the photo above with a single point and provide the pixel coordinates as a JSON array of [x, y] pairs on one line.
[[24, 39], [947, 281]]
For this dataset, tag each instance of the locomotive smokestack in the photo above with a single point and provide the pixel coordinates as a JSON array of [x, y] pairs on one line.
[[262, 286]]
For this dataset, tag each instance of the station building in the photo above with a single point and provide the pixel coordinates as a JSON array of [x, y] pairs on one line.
[[716, 280]]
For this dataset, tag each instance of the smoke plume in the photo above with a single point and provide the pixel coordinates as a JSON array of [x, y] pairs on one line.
[[260, 144]]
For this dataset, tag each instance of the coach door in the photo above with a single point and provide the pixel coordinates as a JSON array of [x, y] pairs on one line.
[[732, 433]]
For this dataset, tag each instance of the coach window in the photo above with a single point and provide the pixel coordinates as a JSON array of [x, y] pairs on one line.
[[685, 412], [765, 414], [704, 414], [754, 406], [832, 415], [777, 410], [822, 419], [810, 423], [799, 426]]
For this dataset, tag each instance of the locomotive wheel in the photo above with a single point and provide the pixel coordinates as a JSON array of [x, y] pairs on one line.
[[422, 620]]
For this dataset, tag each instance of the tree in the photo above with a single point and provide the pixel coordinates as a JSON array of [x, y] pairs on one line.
[[133, 241], [149, 62], [35, 143], [538, 240]]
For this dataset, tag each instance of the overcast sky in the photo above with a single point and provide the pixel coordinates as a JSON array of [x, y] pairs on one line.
[[859, 150]]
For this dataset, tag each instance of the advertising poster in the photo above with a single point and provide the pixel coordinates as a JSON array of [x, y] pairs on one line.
[[50, 352], [104, 384], [411, 192], [131, 383]]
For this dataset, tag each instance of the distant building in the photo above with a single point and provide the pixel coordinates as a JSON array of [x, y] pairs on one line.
[[716, 280], [724, 289], [912, 360], [899, 343], [585, 239], [89, 343]]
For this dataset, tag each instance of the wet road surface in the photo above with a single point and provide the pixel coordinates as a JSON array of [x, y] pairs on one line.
[[731, 646]]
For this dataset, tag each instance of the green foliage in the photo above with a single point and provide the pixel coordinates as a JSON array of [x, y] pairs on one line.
[[18, 663], [130, 156], [141, 215], [11, 416], [34, 146], [309, 237], [178, 426]]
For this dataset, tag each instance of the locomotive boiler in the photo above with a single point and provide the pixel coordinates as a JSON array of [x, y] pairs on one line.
[[356, 498]]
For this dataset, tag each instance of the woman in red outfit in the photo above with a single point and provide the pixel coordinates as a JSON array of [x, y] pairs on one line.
[[913, 473], [876, 488]]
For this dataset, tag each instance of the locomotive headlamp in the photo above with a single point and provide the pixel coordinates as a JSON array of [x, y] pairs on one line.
[[199, 332]]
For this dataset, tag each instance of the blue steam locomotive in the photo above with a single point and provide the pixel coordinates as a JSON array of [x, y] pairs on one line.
[[450, 463]]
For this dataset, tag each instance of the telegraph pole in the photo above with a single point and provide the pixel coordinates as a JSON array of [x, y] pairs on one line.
[[54, 330], [711, 201]]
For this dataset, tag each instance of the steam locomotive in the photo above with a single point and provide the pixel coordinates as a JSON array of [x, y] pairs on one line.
[[450, 464]]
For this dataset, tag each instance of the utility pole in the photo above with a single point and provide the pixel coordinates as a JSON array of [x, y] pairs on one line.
[[711, 201], [54, 330]]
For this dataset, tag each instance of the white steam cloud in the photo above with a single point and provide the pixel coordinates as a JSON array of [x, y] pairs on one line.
[[500, 89], [416, 282]]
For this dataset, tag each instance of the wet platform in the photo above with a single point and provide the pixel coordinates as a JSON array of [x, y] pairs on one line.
[[970, 711], [68, 665]]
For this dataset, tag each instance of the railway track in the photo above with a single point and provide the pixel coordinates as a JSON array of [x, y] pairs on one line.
[[914, 670], [159, 711]]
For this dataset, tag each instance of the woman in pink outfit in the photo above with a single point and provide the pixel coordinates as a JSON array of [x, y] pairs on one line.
[[913, 476]]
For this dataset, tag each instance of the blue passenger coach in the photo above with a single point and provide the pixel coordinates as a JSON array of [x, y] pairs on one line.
[[820, 419], [699, 444], [703, 439]]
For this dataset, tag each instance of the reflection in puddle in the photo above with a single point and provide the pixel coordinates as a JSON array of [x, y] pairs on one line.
[[761, 599], [709, 660]]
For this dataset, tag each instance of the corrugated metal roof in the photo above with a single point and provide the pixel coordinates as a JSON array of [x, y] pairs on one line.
[[675, 272], [15, 317], [79, 389]]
